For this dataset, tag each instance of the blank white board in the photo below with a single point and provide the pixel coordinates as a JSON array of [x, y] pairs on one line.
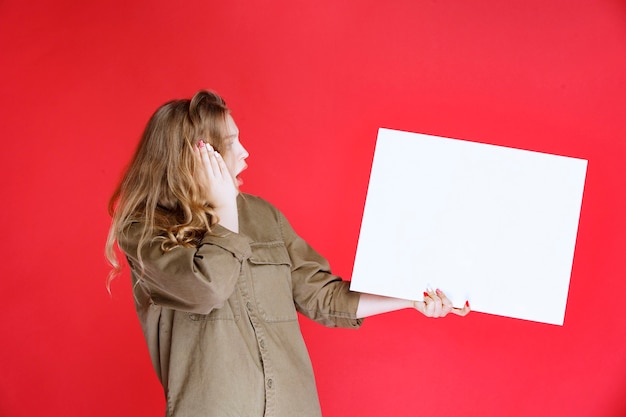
[[489, 224]]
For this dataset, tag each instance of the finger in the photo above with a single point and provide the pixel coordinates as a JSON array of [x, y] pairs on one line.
[[429, 307], [462, 311], [426, 305], [203, 152], [221, 165], [438, 310], [213, 161], [203, 155], [446, 304], [444, 299], [434, 295], [437, 306], [209, 159]]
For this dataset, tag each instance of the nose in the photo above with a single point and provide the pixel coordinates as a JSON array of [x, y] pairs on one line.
[[244, 152]]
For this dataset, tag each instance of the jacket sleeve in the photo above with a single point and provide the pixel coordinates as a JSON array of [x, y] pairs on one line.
[[317, 293], [196, 280]]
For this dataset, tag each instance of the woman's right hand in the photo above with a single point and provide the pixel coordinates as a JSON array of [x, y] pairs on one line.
[[221, 192]]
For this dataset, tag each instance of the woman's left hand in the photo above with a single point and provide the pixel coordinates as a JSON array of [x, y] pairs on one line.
[[436, 304]]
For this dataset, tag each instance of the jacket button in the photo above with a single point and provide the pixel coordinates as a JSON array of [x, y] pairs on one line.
[[262, 344], [270, 383], [249, 305]]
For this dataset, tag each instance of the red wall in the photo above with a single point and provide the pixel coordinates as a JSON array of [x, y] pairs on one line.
[[309, 83]]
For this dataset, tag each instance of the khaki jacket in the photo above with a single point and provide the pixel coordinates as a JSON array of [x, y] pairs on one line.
[[220, 320]]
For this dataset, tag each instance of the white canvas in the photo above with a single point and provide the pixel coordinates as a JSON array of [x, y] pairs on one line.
[[493, 225]]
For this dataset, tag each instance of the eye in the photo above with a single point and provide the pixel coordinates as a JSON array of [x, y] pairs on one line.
[[229, 143]]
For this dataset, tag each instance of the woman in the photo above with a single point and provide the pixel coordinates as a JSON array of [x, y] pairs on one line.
[[219, 276]]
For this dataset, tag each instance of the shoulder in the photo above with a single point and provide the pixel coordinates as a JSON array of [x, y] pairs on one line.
[[256, 204], [260, 219], [128, 238]]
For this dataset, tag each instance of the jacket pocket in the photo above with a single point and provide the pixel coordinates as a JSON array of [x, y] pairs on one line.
[[271, 279]]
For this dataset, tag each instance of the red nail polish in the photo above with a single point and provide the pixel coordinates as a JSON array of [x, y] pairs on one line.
[[438, 291], [467, 304], [425, 294]]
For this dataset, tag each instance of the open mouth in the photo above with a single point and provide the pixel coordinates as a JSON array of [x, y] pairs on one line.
[[238, 176]]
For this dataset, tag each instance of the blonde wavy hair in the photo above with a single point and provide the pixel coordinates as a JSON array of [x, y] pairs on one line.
[[160, 189]]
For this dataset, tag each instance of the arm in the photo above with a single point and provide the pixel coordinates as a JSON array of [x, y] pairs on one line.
[[371, 305], [194, 279], [435, 304], [317, 293], [191, 279]]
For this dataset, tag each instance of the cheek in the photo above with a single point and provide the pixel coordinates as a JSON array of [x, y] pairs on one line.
[[230, 164]]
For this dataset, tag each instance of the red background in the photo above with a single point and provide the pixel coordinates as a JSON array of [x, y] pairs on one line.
[[309, 83]]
